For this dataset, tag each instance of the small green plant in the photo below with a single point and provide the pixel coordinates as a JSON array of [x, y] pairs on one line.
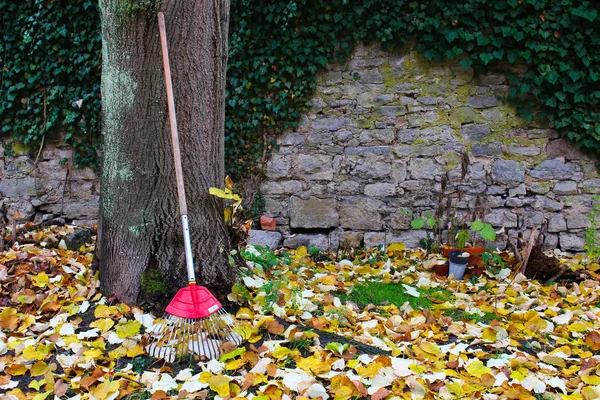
[[432, 242], [486, 231], [492, 261], [591, 235], [458, 315], [301, 343]]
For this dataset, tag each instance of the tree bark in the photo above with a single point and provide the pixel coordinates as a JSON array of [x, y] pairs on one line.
[[140, 225]]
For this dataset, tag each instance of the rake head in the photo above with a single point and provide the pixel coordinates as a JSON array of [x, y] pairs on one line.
[[194, 323]]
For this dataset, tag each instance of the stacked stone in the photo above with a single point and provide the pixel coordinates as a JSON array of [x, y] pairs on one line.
[[37, 192], [387, 129]]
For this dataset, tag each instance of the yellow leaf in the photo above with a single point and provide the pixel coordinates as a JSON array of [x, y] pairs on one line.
[[220, 384], [553, 360], [593, 380], [39, 368], [369, 371], [40, 280], [227, 214], [30, 353], [117, 353], [104, 311], [128, 329], [244, 313], [103, 324], [281, 352], [135, 351], [91, 354], [16, 369], [41, 396], [352, 363], [37, 384], [418, 369], [476, 368], [593, 267], [455, 388], [396, 247], [235, 364], [577, 327], [489, 335], [205, 376], [311, 364], [105, 389], [431, 349], [301, 252]]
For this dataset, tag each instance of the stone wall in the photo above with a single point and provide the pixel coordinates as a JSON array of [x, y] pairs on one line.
[[386, 129], [46, 191]]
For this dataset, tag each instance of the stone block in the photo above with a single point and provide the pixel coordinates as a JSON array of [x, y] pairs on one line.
[[552, 205], [368, 150], [591, 186], [371, 169], [399, 171], [361, 213], [519, 150], [318, 240], [424, 168], [501, 217], [557, 223], [564, 148], [486, 149], [507, 171], [376, 136], [519, 190], [277, 206], [281, 187], [577, 221], [539, 187], [410, 238], [345, 187], [482, 101], [383, 99], [389, 111], [351, 240], [557, 168], [571, 241], [565, 187], [475, 132], [400, 221], [372, 239], [312, 167], [313, 213], [319, 137], [329, 123], [278, 167], [380, 189], [265, 239], [15, 188]]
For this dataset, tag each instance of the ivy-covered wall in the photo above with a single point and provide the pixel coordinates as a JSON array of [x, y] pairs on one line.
[[390, 136], [50, 53]]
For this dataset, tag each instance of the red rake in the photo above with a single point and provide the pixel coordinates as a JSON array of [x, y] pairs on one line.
[[194, 322]]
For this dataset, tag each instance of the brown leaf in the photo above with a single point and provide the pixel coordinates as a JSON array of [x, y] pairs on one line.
[[275, 328], [271, 370], [60, 388], [159, 394], [380, 394], [592, 340]]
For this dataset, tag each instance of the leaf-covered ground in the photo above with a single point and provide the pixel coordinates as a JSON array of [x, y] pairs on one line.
[[371, 324]]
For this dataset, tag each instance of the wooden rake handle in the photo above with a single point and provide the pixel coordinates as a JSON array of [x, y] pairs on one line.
[[172, 118], [189, 259]]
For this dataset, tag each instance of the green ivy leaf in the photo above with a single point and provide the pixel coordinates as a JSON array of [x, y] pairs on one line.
[[488, 233]]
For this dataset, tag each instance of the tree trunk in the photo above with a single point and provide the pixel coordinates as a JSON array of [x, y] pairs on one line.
[[140, 226]]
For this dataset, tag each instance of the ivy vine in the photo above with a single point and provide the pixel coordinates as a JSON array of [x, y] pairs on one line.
[[50, 78], [51, 56]]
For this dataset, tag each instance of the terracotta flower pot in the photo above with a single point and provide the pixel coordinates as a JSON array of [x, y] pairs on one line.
[[475, 252], [441, 269]]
